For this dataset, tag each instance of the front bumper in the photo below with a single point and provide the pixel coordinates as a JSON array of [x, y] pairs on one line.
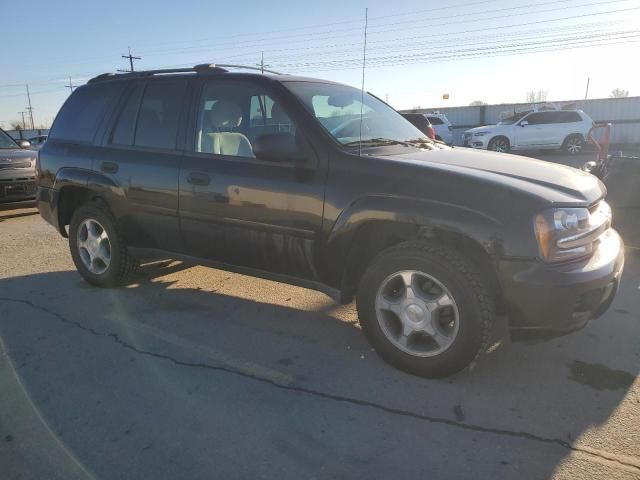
[[557, 299], [470, 141], [17, 186]]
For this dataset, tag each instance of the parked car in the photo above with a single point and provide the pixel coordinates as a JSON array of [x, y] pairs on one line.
[[421, 122], [564, 129], [38, 141], [296, 180], [17, 169], [442, 127]]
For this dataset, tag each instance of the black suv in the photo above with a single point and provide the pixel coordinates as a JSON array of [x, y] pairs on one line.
[[313, 183]]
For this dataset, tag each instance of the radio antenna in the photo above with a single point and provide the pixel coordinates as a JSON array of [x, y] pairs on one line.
[[364, 62]]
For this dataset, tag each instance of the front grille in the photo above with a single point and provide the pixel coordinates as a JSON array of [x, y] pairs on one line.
[[11, 166]]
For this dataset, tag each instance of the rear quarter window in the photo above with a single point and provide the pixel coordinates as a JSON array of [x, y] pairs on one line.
[[80, 116]]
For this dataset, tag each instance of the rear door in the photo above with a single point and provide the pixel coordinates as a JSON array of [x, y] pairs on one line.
[[235, 208], [141, 158]]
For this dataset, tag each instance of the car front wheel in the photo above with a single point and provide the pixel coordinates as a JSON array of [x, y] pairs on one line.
[[425, 309], [499, 144]]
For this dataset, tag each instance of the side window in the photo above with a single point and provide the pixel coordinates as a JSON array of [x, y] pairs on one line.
[[435, 120], [554, 117], [231, 117], [81, 114], [126, 125], [570, 117], [157, 125], [534, 118]]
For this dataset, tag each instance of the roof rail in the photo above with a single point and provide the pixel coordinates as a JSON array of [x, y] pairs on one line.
[[200, 68]]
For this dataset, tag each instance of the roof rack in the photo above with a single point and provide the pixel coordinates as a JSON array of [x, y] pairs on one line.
[[200, 69]]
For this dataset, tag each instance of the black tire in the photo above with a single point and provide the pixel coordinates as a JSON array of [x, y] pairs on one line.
[[468, 287], [122, 265], [496, 142], [573, 144]]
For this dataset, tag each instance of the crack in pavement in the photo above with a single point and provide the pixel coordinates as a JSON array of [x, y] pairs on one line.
[[629, 463]]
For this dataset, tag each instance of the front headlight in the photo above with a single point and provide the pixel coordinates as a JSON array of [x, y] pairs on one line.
[[479, 134], [569, 233]]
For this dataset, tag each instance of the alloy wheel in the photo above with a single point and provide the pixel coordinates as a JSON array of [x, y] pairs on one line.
[[94, 246], [417, 313]]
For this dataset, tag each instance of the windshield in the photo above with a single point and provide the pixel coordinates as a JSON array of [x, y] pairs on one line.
[[337, 108], [6, 141]]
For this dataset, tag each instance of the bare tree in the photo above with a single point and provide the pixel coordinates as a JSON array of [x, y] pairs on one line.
[[619, 93], [477, 103], [537, 96], [15, 125]]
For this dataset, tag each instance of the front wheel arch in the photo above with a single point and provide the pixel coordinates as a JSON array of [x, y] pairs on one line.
[[497, 138]]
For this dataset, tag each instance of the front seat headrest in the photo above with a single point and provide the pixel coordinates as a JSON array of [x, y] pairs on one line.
[[225, 114], [279, 115]]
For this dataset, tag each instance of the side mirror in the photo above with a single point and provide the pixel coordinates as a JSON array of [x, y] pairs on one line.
[[24, 144], [278, 147], [524, 123]]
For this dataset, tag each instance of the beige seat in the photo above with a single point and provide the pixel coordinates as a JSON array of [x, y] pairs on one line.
[[225, 115]]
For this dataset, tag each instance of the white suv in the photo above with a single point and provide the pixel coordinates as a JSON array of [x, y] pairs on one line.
[[565, 129], [442, 127]]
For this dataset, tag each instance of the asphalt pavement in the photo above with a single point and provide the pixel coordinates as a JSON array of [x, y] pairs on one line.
[[192, 372]]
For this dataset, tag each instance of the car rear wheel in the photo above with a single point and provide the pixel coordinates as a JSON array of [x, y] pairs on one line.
[[98, 251], [425, 309], [499, 144], [573, 144]]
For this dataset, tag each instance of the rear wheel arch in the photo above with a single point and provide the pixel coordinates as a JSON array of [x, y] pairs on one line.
[[567, 141], [72, 197]]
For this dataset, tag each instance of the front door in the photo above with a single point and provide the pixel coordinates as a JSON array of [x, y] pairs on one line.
[[237, 209]]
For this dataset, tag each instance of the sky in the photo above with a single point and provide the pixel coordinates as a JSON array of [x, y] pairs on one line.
[[417, 51]]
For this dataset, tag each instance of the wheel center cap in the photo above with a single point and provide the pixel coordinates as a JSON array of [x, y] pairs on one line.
[[415, 312]]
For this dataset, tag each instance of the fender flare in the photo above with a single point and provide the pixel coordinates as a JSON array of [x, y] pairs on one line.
[[426, 216], [93, 182]]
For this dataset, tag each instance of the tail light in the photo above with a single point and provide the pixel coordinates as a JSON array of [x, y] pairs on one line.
[[431, 133]]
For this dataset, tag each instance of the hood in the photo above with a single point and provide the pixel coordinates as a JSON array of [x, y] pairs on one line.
[[16, 158], [483, 128], [555, 183]]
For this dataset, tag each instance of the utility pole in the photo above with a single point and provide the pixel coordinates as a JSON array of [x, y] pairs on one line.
[[587, 92], [131, 59], [30, 109], [262, 64], [71, 86], [24, 125]]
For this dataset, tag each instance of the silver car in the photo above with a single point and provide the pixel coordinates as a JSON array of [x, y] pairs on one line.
[[17, 169]]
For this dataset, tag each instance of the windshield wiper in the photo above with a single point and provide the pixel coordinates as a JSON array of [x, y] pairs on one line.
[[379, 141]]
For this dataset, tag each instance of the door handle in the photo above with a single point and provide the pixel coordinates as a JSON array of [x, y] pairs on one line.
[[109, 167], [198, 178]]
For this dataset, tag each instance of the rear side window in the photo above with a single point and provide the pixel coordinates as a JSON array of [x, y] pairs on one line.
[[435, 120], [570, 117], [81, 114], [157, 125], [126, 125]]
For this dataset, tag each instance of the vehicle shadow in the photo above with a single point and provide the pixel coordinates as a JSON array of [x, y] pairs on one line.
[[519, 412]]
